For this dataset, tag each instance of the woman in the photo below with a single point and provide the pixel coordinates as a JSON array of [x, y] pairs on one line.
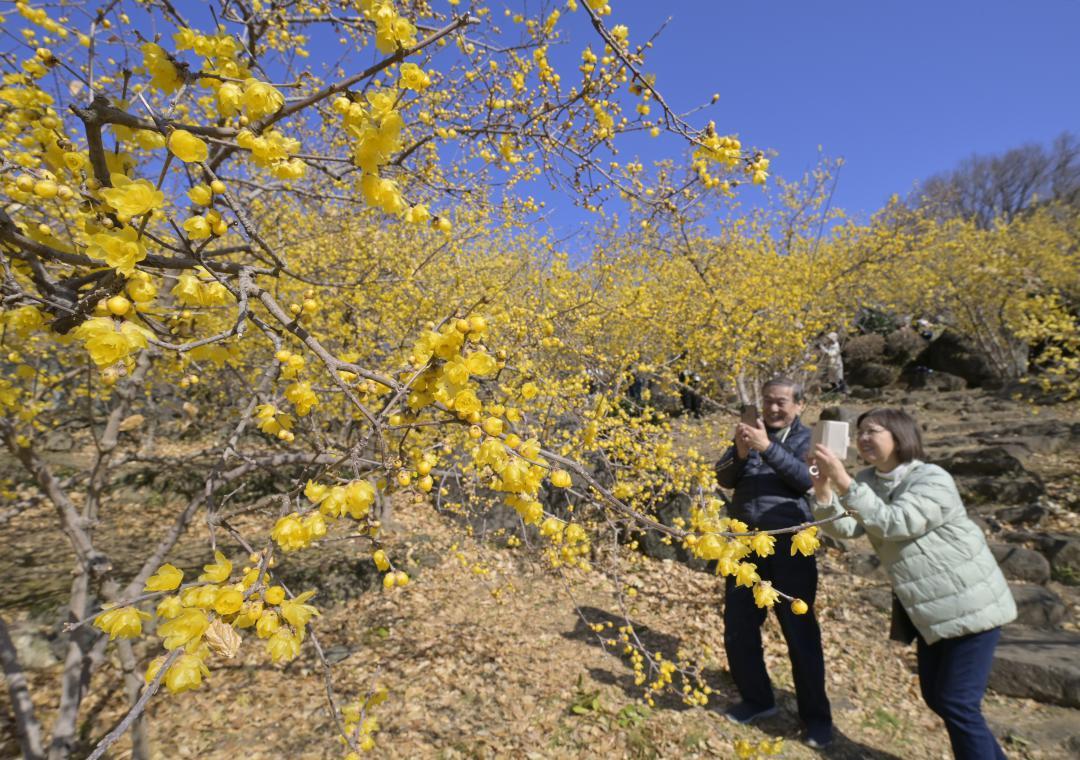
[[947, 583]]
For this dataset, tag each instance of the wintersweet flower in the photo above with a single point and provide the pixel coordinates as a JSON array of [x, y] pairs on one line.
[[197, 228], [296, 612], [186, 627], [762, 544], [260, 98], [289, 533], [746, 574], [131, 197], [163, 74], [765, 595], [413, 78], [121, 249], [125, 622], [166, 578], [269, 622], [229, 601], [185, 674], [188, 147], [805, 541], [169, 607], [109, 343], [283, 646], [218, 571]]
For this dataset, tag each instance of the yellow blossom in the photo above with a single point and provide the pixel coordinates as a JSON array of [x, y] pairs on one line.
[[121, 249], [188, 147], [132, 197], [765, 595], [167, 578], [283, 646], [218, 571], [125, 622], [186, 627], [746, 574], [805, 541], [185, 674], [762, 544]]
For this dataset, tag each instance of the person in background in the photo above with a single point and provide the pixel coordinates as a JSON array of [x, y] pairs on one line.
[[834, 364], [950, 594], [767, 468]]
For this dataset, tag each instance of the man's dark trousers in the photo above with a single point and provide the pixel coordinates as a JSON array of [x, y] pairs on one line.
[[796, 576]]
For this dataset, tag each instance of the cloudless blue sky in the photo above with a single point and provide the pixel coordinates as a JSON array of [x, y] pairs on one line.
[[900, 90]]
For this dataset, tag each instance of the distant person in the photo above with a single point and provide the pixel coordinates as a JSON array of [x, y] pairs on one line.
[[767, 468], [949, 593], [689, 396], [834, 364]]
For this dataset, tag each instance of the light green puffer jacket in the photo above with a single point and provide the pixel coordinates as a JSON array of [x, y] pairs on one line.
[[941, 568]]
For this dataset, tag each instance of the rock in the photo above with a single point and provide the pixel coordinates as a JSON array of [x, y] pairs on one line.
[[59, 440], [1037, 607], [872, 375], [862, 349], [956, 355], [992, 476], [1044, 437], [879, 597], [920, 377], [1020, 564], [839, 414], [1029, 514], [865, 565], [865, 394], [1039, 665], [903, 345], [1065, 561]]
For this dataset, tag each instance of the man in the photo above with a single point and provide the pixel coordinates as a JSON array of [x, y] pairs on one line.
[[767, 468]]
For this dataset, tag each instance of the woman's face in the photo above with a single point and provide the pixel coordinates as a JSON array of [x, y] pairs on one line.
[[876, 444]]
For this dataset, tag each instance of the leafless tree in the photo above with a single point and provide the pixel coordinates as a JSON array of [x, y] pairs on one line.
[[985, 188]]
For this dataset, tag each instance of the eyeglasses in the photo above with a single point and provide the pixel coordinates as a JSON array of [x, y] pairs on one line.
[[869, 431]]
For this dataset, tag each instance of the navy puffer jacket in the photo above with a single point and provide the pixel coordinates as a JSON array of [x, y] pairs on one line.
[[770, 486]]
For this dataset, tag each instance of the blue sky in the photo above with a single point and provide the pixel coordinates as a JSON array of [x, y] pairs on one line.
[[899, 90]]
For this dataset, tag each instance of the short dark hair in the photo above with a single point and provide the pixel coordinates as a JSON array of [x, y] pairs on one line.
[[903, 428], [782, 381]]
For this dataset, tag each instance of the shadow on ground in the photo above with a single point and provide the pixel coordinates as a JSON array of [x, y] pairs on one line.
[[785, 723]]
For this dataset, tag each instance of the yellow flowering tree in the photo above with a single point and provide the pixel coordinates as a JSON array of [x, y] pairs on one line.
[[210, 208]]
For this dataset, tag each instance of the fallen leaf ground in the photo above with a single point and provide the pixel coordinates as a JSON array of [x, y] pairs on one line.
[[485, 654]]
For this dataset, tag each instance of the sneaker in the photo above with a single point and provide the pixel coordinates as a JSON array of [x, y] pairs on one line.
[[818, 736], [745, 712]]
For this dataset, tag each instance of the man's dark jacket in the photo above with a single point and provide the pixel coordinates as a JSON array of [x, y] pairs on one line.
[[770, 486]]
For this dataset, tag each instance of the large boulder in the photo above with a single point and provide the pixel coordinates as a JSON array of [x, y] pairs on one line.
[[903, 345], [1039, 665], [956, 355], [873, 375], [992, 475], [1037, 607], [1020, 564], [1062, 549], [864, 348], [924, 378]]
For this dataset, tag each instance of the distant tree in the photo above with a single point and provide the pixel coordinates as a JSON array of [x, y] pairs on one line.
[[984, 188]]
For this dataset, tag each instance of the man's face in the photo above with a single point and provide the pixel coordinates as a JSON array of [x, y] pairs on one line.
[[779, 407]]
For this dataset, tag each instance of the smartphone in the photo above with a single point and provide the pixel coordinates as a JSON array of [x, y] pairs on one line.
[[749, 415]]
